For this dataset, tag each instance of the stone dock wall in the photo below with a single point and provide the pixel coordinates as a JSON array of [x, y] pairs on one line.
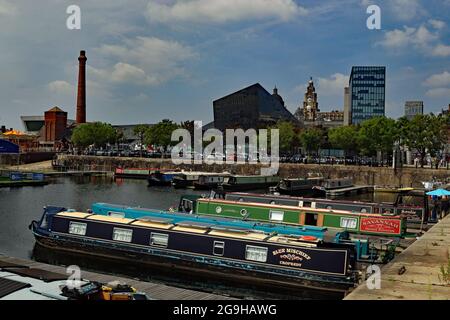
[[361, 175]]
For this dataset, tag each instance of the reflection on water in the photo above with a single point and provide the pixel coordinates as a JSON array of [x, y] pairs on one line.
[[18, 207], [170, 277]]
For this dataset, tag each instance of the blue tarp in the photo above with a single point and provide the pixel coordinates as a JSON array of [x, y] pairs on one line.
[[8, 147]]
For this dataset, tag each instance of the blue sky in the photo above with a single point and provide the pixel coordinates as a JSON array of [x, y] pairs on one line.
[[155, 59]]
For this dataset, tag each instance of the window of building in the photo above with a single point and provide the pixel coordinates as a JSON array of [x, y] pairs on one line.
[[77, 228], [276, 215], [123, 235], [256, 253], [159, 239], [219, 248], [349, 223]]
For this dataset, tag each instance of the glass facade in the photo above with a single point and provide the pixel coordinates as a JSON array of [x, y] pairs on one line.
[[367, 87]]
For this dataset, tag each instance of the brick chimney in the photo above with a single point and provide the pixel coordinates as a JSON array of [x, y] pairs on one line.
[[81, 96]]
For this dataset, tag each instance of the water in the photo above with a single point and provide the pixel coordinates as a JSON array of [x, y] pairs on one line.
[[18, 207]]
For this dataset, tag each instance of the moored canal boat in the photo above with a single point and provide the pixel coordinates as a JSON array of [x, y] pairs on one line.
[[251, 256], [414, 213], [198, 180], [354, 222], [159, 178], [298, 186], [241, 183], [133, 173]]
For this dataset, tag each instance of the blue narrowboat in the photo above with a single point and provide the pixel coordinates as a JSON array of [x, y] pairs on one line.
[[243, 254], [363, 252], [159, 178]]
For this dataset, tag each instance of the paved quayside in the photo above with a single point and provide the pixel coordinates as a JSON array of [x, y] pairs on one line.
[[415, 274], [153, 290]]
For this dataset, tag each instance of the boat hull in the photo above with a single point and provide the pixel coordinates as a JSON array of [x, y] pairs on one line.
[[192, 265]]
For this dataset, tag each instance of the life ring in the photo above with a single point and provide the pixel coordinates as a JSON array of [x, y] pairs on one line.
[[243, 212]]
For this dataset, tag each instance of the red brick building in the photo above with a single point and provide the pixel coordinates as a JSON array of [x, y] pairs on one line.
[[55, 124]]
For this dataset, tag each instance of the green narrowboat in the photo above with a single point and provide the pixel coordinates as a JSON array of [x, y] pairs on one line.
[[241, 183], [355, 222]]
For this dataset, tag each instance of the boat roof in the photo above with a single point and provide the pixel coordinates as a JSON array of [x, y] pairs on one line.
[[288, 207], [223, 221], [28, 286], [191, 227]]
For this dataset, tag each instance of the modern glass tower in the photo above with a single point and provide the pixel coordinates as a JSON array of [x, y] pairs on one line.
[[367, 89]]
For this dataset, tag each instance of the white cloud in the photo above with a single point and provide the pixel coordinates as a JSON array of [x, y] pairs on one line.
[[145, 60], [418, 37], [61, 87], [441, 50], [405, 10], [7, 9], [421, 38], [222, 11], [334, 84], [437, 24], [438, 80], [438, 93]]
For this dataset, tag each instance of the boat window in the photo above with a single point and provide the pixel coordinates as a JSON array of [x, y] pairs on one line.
[[159, 239], [349, 223], [273, 202], [124, 235], [219, 248], [276, 215], [256, 253], [307, 204], [311, 219], [116, 214], [77, 228]]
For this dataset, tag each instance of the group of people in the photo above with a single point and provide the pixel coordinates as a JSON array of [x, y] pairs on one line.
[[440, 207]]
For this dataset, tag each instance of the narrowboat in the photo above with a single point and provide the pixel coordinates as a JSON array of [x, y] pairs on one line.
[[354, 222], [414, 213], [209, 182], [241, 183], [24, 283], [298, 186], [329, 185], [199, 179], [133, 173], [245, 254], [159, 178], [362, 246]]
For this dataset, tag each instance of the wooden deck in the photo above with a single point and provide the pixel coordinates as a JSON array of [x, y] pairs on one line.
[[153, 290], [420, 272]]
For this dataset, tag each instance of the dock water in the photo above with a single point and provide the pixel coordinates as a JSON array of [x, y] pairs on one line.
[[153, 290], [418, 273]]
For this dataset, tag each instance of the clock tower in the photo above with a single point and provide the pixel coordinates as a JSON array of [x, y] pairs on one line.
[[310, 104]]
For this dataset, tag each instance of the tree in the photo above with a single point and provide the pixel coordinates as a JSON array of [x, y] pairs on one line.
[[140, 131], [288, 137], [97, 133], [311, 139], [377, 134], [161, 133], [425, 134], [344, 138]]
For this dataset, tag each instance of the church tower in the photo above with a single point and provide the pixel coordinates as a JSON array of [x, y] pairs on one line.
[[310, 104]]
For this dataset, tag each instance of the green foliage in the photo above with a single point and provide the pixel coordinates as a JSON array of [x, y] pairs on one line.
[[97, 133], [161, 133], [344, 138], [424, 133], [444, 275], [311, 139], [288, 136], [377, 134]]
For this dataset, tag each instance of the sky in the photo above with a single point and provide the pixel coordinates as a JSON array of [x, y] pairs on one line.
[[150, 60]]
